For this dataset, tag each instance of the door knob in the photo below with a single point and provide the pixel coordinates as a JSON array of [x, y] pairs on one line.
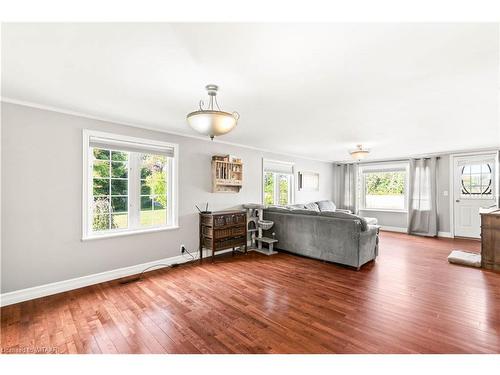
[[458, 200]]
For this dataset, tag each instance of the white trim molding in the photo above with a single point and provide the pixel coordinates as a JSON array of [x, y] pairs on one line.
[[288, 169], [79, 282], [451, 164], [133, 180], [405, 230], [445, 234], [152, 128], [393, 229], [27, 294]]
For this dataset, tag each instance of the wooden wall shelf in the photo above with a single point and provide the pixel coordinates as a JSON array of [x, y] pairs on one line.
[[227, 176]]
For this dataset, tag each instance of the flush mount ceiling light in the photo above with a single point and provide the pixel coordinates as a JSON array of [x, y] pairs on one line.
[[209, 121], [359, 153]]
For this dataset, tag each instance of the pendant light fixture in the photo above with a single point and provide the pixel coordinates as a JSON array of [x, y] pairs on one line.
[[210, 121], [359, 153]]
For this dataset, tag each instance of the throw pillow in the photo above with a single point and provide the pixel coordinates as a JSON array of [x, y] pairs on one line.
[[326, 205], [344, 215], [311, 206]]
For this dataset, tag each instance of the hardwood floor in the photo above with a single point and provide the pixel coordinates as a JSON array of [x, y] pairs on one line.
[[409, 301]]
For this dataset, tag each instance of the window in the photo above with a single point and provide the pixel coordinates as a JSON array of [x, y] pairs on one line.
[[278, 181], [476, 180], [384, 187], [130, 185]]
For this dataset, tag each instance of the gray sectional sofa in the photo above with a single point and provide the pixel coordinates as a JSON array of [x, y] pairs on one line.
[[319, 230]]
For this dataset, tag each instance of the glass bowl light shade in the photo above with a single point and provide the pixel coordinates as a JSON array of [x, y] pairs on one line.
[[212, 123], [359, 153]]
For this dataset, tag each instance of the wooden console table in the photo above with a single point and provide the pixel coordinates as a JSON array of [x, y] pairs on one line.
[[490, 239], [222, 230]]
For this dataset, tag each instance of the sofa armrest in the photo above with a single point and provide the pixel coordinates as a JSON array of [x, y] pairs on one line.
[[368, 245], [345, 211]]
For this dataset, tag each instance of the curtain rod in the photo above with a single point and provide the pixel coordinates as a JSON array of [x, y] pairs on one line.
[[387, 160], [425, 156]]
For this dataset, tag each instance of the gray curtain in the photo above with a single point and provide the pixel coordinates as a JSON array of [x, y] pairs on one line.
[[497, 172], [422, 205], [348, 176]]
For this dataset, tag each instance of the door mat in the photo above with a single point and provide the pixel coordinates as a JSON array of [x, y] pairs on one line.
[[465, 258]]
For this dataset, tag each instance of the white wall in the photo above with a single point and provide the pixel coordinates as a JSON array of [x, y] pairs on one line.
[[42, 192]]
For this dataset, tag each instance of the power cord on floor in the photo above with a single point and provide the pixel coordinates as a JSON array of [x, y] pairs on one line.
[[163, 265], [191, 255]]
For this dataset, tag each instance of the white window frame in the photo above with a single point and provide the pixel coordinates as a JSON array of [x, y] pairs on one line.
[[291, 190], [133, 191], [382, 167]]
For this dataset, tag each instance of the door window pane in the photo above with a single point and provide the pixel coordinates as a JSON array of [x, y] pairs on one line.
[[153, 187], [118, 155], [119, 187], [101, 186], [476, 181], [119, 169], [269, 188], [101, 205], [110, 195], [119, 221], [119, 204], [159, 216], [101, 169], [284, 189], [101, 222], [101, 154]]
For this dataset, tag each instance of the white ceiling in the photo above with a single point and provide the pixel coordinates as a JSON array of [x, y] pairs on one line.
[[314, 90]]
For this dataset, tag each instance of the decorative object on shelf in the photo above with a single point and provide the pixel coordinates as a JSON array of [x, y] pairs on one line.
[[308, 181], [223, 230], [210, 121], [255, 225], [359, 153], [227, 175]]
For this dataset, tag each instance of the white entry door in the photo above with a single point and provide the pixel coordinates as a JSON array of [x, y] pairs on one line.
[[474, 187]]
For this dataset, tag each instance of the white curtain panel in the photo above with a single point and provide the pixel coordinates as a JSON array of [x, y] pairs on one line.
[[422, 205]]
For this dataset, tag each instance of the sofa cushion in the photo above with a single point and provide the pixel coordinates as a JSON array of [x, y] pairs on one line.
[[311, 206], [303, 211], [345, 215], [278, 209], [291, 210], [326, 205], [294, 206]]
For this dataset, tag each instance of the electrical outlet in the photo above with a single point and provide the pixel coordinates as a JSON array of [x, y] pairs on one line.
[[183, 249]]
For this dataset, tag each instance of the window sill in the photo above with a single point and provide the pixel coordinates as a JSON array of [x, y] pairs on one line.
[[128, 233], [384, 210]]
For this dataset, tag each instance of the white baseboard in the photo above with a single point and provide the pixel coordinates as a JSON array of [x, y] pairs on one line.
[[404, 230], [394, 229], [79, 282], [445, 234]]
